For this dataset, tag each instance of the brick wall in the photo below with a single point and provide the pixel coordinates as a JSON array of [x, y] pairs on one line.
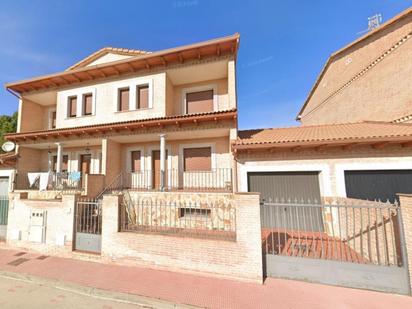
[[382, 93], [241, 259], [406, 208]]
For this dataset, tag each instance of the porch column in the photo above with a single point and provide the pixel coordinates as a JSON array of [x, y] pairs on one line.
[[59, 157], [162, 161]]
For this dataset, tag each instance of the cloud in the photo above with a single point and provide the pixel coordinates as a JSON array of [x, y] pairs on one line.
[[257, 62]]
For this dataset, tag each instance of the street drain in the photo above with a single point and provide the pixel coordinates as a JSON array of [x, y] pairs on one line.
[[42, 257], [18, 262]]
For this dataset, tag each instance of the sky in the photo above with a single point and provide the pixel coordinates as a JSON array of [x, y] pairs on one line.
[[283, 44]]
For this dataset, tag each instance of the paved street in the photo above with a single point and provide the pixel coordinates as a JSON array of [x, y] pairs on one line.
[[18, 294], [178, 288]]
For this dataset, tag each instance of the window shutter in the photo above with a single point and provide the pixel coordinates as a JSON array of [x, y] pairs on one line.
[[72, 106], [197, 159], [135, 157], [143, 96], [87, 107], [53, 120], [199, 102], [124, 99]]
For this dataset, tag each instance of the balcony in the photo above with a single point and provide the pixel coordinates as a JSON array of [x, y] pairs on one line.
[[215, 180], [49, 181]]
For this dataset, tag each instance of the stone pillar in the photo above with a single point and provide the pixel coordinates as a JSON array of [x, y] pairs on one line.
[[162, 161], [406, 211], [59, 157]]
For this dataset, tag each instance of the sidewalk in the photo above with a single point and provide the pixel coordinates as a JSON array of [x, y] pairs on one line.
[[195, 290]]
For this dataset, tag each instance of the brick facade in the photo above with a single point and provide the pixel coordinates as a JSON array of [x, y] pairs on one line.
[[240, 259], [406, 208]]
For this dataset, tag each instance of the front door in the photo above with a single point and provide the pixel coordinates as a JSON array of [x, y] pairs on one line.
[[85, 161], [156, 174]]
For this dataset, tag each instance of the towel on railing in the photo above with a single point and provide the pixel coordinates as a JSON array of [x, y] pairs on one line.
[[45, 179], [33, 177], [74, 176]]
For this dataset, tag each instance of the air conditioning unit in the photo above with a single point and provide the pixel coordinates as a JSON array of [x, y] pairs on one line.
[[37, 230]]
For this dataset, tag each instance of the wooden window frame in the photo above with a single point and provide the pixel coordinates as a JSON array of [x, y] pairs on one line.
[[69, 106], [84, 96], [146, 85], [200, 147], [119, 101], [213, 87]]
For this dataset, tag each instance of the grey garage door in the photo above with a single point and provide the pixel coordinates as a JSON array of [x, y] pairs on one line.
[[285, 185], [378, 184], [287, 188]]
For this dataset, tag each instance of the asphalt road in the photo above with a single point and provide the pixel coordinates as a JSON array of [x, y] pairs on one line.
[[18, 294]]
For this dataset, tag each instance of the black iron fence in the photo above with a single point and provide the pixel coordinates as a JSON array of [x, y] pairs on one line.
[[206, 220], [358, 232]]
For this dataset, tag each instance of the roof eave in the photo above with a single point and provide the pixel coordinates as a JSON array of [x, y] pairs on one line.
[[232, 40]]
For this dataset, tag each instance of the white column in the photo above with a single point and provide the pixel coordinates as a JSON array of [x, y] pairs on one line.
[[49, 161], [59, 157], [162, 160]]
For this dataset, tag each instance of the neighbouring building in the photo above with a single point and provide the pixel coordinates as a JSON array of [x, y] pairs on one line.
[[354, 140], [328, 187]]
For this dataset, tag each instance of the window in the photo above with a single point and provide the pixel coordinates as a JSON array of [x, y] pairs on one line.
[[142, 94], [135, 161], [123, 99], [72, 106], [197, 159], [87, 104], [53, 119], [65, 163], [199, 102], [195, 212]]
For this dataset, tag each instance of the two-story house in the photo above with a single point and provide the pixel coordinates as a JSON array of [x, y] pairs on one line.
[[354, 140], [152, 120]]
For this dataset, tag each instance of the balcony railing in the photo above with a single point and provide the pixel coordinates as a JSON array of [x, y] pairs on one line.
[[65, 181], [215, 180]]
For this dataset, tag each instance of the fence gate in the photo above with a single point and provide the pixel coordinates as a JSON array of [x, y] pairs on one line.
[[4, 210], [88, 225], [358, 245]]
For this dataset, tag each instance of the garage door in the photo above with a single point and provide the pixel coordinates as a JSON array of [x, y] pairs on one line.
[[285, 185], [378, 184], [287, 188]]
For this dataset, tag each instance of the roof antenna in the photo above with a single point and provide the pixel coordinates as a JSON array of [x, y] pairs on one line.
[[373, 23]]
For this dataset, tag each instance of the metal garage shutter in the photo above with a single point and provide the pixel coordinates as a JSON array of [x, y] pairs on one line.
[[378, 184], [289, 186], [286, 185]]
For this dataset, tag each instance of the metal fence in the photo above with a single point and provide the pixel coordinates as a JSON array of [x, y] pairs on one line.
[[4, 209], [89, 216], [64, 181], [215, 220], [361, 232], [219, 179]]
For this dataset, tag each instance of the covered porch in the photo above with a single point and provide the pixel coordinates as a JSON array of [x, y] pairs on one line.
[[199, 160]]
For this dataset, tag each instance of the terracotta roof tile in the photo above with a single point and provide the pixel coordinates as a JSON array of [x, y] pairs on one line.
[[325, 133], [106, 50]]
